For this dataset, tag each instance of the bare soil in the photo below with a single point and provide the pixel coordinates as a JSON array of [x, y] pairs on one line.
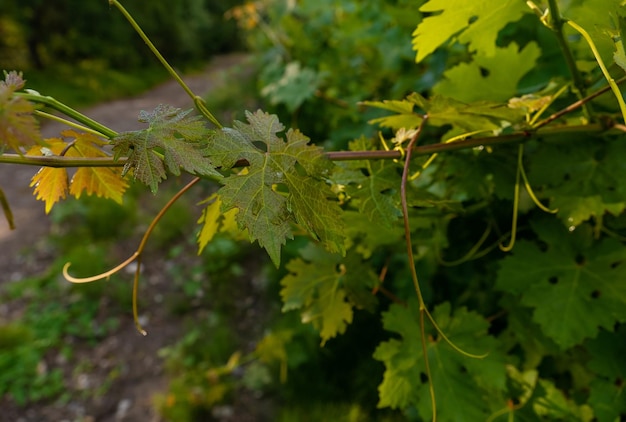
[[24, 252]]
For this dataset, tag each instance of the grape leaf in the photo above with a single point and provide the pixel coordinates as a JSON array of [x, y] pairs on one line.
[[492, 78], [608, 390], [106, 182], [585, 181], [173, 140], [50, 183], [477, 116], [573, 285], [473, 22], [372, 185], [18, 126], [456, 378], [313, 286], [282, 185]]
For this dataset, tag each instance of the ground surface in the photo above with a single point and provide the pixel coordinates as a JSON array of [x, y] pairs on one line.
[[24, 252]]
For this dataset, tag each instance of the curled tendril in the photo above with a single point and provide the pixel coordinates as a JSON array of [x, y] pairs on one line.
[[135, 256]]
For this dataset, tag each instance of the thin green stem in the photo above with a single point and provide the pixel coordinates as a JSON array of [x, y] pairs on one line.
[[67, 122], [135, 256], [197, 100], [69, 112], [605, 72]]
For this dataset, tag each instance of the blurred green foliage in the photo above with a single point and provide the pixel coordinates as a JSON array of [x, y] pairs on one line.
[[317, 58], [69, 31]]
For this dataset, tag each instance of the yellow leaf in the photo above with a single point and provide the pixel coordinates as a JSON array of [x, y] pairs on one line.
[[104, 182], [210, 217], [101, 181], [50, 183]]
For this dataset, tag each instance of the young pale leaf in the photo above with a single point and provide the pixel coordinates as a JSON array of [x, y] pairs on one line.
[[574, 286], [50, 183], [173, 140], [473, 22], [477, 116], [282, 185], [18, 126], [456, 379]]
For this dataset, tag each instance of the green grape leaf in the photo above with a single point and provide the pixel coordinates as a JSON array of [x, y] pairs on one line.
[[372, 185], [364, 239], [573, 286], [489, 77], [282, 185], [473, 22], [18, 126], [608, 389], [173, 140], [295, 86], [313, 286], [585, 181], [456, 378], [441, 110]]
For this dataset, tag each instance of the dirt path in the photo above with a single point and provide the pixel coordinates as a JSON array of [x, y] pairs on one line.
[[23, 252]]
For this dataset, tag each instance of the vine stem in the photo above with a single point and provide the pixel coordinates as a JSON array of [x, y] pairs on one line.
[[197, 100], [557, 27], [135, 256]]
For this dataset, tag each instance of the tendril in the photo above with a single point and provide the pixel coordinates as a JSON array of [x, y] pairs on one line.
[[531, 193], [509, 247], [409, 248], [135, 256]]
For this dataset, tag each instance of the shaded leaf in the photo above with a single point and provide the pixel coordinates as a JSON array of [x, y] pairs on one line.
[[314, 287], [372, 185], [456, 379], [574, 288]]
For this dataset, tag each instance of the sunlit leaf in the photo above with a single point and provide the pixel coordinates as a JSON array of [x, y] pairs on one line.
[[51, 184], [473, 22]]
